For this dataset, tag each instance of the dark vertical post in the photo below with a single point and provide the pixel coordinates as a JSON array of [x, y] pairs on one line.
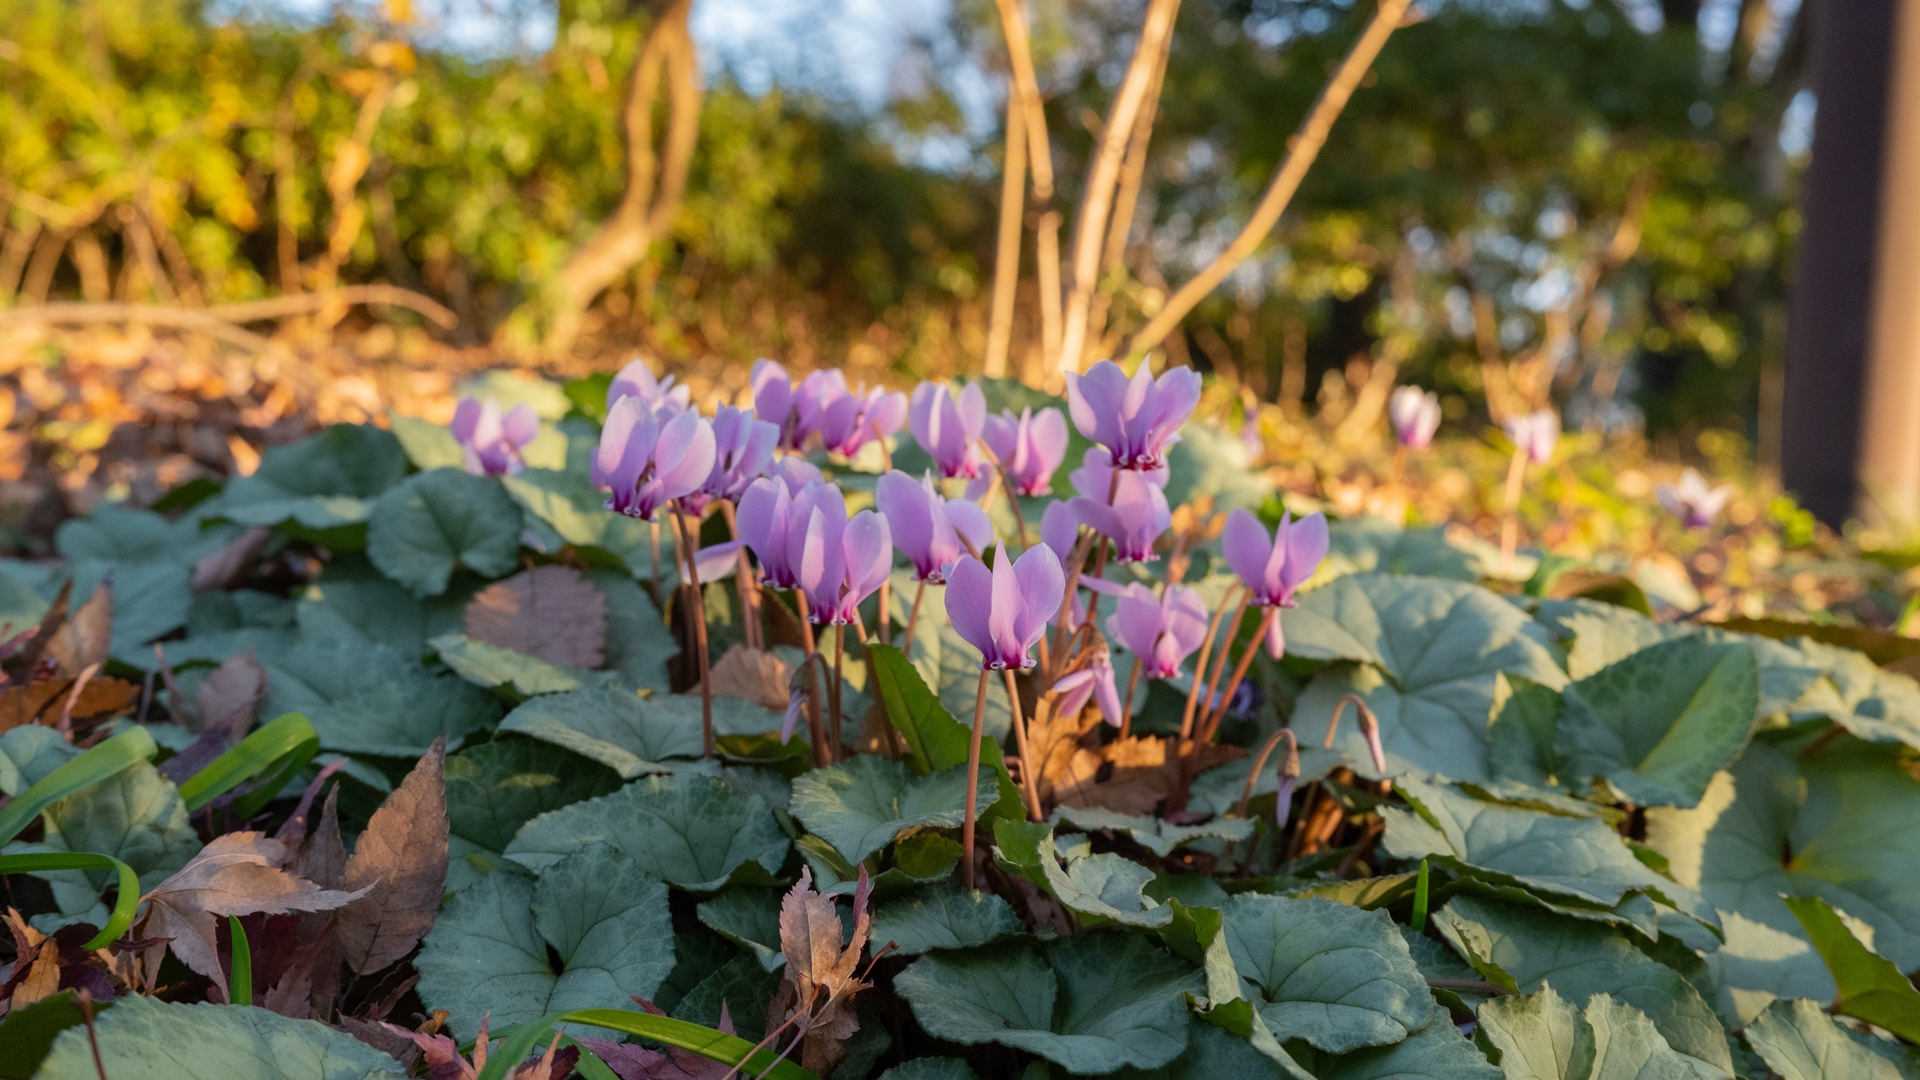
[[1833, 286]]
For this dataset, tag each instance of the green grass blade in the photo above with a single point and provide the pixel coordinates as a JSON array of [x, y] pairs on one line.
[[519, 1041], [240, 979], [1420, 900], [281, 741], [124, 905], [131, 745]]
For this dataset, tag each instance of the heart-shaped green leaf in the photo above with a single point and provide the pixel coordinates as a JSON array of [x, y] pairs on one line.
[[692, 831], [435, 522]]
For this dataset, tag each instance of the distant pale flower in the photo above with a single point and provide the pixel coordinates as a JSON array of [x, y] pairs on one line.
[[795, 473], [1161, 631], [493, 442], [743, 451], [1273, 567], [1004, 611], [1415, 415], [838, 562], [773, 398], [928, 529], [1535, 434], [1135, 419], [660, 395], [645, 463], [946, 425], [1091, 683], [1695, 504], [1030, 447], [1135, 516]]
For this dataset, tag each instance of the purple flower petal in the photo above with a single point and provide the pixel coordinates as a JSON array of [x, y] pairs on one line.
[[1042, 585], [521, 425], [1246, 547], [970, 603]]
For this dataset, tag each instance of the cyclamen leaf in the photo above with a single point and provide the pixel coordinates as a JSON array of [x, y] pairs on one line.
[[1523, 949], [1520, 739], [1155, 834], [1368, 544], [1658, 724], [1543, 1037], [496, 787], [748, 916], [1435, 1052], [568, 502], [1099, 888], [1120, 1001], [370, 699], [351, 600], [1841, 822], [931, 1068], [433, 522], [944, 917], [550, 613], [861, 805], [1579, 859], [136, 816], [1798, 1040], [1430, 651], [401, 860], [141, 1037], [596, 910], [616, 728], [1336, 976], [492, 666], [692, 831], [639, 645]]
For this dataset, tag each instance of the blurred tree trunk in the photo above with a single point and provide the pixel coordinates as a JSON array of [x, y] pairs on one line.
[[656, 176], [1834, 296]]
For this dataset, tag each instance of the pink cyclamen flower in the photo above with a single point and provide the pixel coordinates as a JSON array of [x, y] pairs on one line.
[[838, 562], [1060, 529], [1004, 611], [1029, 447], [1133, 521], [636, 380], [1160, 631], [1535, 434], [947, 425], [644, 462], [773, 398], [743, 452], [1135, 419], [846, 420], [772, 511], [1091, 683], [493, 442], [930, 531], [1415, 415], [1273, 568], [1695, 504]]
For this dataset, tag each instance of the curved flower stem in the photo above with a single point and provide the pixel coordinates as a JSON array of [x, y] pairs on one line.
[[1230, 631], [1219, 713], [1029, 777], [1200, 663], [816, 728], [913, 616], [1126, 703], [1510, 523], [1260, 762], [1333, 722], [884, 615], [833, 689], [697, 610], [973, 781], [744, 583]]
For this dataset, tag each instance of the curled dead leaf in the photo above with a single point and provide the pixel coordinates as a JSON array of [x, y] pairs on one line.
[[398, 869], [756, 675], [232, 564]]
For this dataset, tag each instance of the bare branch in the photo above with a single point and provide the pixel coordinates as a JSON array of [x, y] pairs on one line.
[[1301, 151]]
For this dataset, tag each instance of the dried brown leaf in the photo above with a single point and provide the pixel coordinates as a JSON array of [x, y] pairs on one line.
[[229, 566], [396, 1043], [756, 675], [820, 980], [401, 863], [549, 612], [236, 874], [82, 639], [230, 695], [40, 702]]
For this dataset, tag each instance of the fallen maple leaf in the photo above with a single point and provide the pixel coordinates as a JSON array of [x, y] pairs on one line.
[[41, 701], [236, 874], [549, 612], [399, 867], [817, 990]]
